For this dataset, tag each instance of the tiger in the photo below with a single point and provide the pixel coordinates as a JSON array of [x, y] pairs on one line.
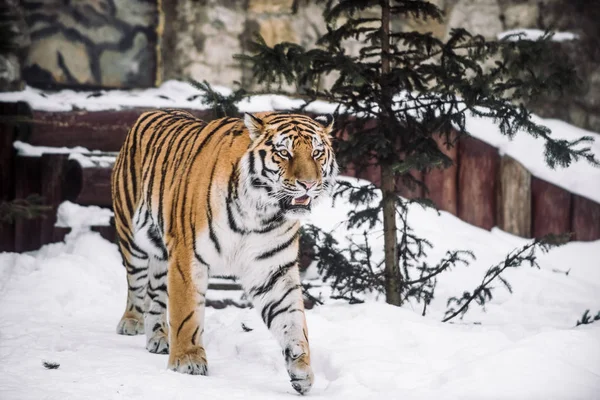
[[194, 199]]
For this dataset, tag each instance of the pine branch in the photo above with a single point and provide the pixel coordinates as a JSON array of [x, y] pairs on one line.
[[221, 105], [587, 319], [483, 292]]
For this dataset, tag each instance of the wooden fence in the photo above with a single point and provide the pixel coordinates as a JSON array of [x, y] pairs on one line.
[[482, 187]]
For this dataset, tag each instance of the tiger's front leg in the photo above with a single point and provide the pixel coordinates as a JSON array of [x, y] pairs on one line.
[[187, 284], [278, 298]]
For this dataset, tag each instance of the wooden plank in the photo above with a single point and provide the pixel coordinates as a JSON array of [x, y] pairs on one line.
[[7, 153], [88, 186], [59, 234], [53, 168], [107, 232], [9, 129], [514, 198], [27, 181], [550, 207], [95, 130], [442, 183], [585, 222], [477, 172]]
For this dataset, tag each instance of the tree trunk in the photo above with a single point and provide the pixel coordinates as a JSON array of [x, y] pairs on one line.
[[393, 279]]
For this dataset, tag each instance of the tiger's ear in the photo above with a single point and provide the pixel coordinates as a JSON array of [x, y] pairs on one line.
[[254, 124], [326, 122]]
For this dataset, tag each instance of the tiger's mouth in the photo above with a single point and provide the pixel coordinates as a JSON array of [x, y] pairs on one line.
[[297, 203]]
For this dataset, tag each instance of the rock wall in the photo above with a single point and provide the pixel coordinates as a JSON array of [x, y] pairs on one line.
[[202, 36], [14, 41], [93, 43]]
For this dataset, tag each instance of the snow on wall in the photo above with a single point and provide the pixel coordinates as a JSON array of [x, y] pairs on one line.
[[77, 217], [86, 158], [580, 178]]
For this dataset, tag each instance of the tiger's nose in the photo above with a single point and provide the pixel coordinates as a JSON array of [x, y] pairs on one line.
[[306, 184]]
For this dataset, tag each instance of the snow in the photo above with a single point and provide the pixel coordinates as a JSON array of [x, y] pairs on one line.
[[81, 217], [62, 303], [86, 158], [535, 34], [580, 177]]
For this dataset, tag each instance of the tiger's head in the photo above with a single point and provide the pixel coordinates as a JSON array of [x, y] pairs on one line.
[[290, 162]]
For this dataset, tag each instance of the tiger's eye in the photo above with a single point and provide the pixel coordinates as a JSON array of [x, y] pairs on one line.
[[284, 153], [317, 153]]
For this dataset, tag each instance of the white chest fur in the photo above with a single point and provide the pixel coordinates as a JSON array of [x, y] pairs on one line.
[[230, 253]]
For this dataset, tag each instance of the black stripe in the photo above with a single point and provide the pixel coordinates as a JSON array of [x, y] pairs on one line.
[[209, 216], [251, 162], [194, 335], [134, 288], [278, 248], [272, 316], [160, 274], [160, 288], [268, 286], [156, 240], [161, 304], [198, 257], [274, 304], [133, 270], [178, 266], [263, 155], [229, 201], [186, 319], [130, 245]]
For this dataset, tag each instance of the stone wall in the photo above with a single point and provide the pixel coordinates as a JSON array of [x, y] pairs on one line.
[[201, 37], [92, 43]]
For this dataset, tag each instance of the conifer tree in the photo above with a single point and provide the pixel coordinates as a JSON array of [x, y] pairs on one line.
[[403, 87]]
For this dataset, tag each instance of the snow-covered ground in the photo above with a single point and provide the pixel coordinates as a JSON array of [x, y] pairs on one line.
[[62, 303]]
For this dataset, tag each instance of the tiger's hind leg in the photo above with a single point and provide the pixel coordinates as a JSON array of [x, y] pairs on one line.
[[136, 264], [155, 319]]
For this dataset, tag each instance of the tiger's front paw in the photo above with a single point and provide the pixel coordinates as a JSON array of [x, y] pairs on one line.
[[191, 362], [301, 375], [158, 343]]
